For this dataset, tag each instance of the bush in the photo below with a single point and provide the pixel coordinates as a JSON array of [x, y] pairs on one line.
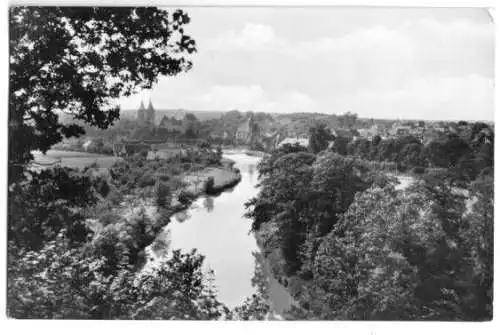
[[115, 197], [102, 186], [186, 197], [209, 185], [108, 218], [163, 177], [418, 170], [146, 180], [162, 195]]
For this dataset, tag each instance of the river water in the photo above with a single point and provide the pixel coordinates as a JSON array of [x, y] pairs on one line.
[[217, 228]]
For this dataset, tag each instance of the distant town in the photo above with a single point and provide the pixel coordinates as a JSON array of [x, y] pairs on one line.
[[159, 131]]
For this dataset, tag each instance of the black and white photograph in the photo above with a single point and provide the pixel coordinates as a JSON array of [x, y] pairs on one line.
[[250, 163]]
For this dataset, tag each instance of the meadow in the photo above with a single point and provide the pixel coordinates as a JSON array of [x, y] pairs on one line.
[[73, 159]]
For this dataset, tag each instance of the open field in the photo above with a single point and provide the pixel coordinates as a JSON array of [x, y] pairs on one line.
[[72, 159]]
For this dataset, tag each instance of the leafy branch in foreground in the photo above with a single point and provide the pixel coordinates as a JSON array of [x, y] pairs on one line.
[[76, 61]]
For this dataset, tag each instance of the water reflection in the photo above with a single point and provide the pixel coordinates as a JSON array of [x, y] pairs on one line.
[[268, 287], [251, 171], [217, 228], [161, 244], [208, 203], [182, 216]]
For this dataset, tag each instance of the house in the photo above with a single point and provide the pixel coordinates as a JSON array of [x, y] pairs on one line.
[[294, 140], [270, 140], [247, 132], [164, 154], [243, 132], [369, 133], [400, 131], [344, 133], [171, 124], [430, 135], [128, 148], [417, 133]]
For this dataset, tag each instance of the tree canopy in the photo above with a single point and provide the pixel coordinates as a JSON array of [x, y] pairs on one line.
[[319, 137]]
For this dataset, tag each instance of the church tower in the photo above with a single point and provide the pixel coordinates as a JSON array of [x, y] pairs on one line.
[[141, 114], [150, 114]]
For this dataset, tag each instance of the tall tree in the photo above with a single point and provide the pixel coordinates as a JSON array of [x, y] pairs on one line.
[[78, 61], [319, 137]]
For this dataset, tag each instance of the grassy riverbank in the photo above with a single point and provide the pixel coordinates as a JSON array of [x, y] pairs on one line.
[[72, 159], [212, 180]]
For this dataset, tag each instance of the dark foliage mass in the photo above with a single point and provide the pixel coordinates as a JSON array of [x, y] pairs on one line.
[[39, 208], [319, 137]]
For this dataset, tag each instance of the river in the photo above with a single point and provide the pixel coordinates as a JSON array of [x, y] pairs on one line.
[[217, 228]]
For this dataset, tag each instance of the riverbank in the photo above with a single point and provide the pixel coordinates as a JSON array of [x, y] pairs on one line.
[[278, 297], [72, 159], [212, 180]]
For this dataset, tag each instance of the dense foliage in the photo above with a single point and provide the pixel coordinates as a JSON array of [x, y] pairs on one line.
[[350, 245], [319, 137], [77, 244], [464, 155]]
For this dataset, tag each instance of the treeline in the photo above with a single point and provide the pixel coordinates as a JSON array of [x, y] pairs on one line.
[[464, 156], [349, 246]]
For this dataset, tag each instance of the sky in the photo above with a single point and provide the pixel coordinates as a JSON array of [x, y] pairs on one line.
[[413, 63]]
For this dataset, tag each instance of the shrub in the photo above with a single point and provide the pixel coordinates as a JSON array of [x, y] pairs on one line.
[[146, 179], [186, 197], [176, 183], [102, 186], [209, 185], [162, 195], [163, 177], [115, 197], [108, 218], [418, 170]]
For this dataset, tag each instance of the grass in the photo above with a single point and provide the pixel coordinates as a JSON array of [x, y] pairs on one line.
[[223, 178], [73, 159]]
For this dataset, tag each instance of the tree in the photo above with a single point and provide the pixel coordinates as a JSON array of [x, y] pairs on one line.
[[319, 137], [163, 195], [66, 283], [447, 152], [408, 255], [39, 208], [340, 145], [348, 120], [77, 61], [376, 140]]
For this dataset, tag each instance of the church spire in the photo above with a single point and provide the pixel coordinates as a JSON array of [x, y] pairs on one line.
[[140, 113], [150, 106]]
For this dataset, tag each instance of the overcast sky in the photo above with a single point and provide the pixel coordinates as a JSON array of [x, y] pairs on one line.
[[381, 63]]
